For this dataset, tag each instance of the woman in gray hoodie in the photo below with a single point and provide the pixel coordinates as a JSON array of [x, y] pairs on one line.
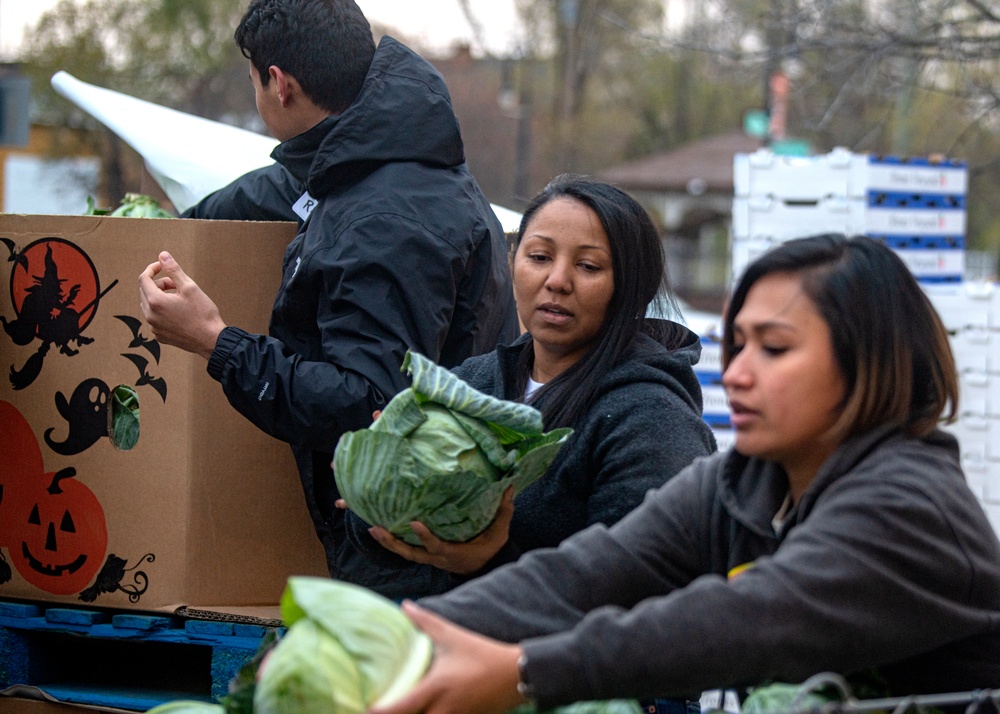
[[838, 535]]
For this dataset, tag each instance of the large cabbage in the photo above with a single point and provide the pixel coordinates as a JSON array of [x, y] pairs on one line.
[[441, 453], [346, 650]]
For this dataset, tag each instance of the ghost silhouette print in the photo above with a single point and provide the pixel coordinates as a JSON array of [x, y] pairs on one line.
[[86, 413]]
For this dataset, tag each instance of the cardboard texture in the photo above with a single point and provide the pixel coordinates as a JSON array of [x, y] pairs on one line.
[[206, 510], [29, 700]]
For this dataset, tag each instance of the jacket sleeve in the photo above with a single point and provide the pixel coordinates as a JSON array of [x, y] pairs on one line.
[[265, 194], [875, 575], [302, 402], [639, 437], [551, 590], [369, 294]]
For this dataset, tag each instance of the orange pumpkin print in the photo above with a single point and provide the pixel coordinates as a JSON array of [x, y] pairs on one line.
[[61, 535], [21, 466]]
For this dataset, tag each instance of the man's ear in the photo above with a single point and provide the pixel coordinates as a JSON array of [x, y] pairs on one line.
[[283, 82]]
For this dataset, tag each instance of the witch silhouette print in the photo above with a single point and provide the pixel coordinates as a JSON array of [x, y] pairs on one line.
[[55, 291]]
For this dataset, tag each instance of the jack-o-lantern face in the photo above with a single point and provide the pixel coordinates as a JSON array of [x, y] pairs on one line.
[[21, 467], [62, 536]]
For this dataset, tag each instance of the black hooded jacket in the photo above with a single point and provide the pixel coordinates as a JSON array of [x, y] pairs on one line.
[[270, 193], [401, 251], [643, 426]]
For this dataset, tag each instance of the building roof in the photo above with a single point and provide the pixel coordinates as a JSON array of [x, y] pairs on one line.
[[705, 165]]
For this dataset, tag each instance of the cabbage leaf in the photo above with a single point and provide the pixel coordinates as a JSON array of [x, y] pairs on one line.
[[388, 651], [309, 672], [442, 453]]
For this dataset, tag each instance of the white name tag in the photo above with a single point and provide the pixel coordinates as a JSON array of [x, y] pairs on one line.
[[304, 206]]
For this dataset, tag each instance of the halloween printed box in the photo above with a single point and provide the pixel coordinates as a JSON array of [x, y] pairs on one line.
[[205, 511]]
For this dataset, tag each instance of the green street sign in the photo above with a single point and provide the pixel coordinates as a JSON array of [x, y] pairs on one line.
[[791, 147], [757, 122]]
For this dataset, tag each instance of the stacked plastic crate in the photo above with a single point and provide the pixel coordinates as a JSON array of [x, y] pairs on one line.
[[715, 406], [918, 208], [915, 205], [971, 313]]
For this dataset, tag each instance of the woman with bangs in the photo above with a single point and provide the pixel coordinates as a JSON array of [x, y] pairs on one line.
[[837, 535]]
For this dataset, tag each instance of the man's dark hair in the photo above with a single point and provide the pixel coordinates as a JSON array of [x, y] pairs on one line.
[[326, 45]]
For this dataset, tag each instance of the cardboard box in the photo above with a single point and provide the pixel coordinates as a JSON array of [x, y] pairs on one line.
[[29, 700], [206, 512]]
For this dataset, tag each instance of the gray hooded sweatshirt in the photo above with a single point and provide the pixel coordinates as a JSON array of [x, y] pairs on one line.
[[887, 563]]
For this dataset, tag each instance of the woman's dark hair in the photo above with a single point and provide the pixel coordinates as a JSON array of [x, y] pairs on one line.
[[326, 45], [888, 340], [637, 262]]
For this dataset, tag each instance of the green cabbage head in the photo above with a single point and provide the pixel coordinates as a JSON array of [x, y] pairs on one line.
[[441, 453], [346, 649]]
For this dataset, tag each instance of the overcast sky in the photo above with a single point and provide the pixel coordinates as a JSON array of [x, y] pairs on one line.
[[438, 23]]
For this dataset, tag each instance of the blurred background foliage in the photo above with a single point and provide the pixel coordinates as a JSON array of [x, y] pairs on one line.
[[589, 84]]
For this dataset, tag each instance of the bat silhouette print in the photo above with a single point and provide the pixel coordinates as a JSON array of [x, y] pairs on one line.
[[138, 340], [157, 383]]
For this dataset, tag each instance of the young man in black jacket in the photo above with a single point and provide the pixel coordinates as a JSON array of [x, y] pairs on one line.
[[401, 250]]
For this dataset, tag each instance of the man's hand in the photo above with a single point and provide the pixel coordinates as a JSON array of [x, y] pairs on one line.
[[470, 673], [178, 312]]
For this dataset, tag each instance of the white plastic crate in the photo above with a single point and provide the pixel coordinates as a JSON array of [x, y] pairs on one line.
[[991, 293], [971, 349], [974, 393], [967, 309], [776, 219], [916, 175], [934, 265], [745, 251], [928, 265], [992, 389], [913, 221], [965, 306], [992, 427], [725, 438], [972, 433], [972, 444], [715, 405], [991, 494], [711, 356], [843, 173], [764, 173], [771, 218]]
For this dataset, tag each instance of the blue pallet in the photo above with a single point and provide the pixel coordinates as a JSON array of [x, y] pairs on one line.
[[717, 420], [940, 279], [908, 242], [708, 378], [943, 163], [124, 660], [890, 199]]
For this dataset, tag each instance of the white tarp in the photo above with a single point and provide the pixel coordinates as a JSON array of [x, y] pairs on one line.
[[187, 155]]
